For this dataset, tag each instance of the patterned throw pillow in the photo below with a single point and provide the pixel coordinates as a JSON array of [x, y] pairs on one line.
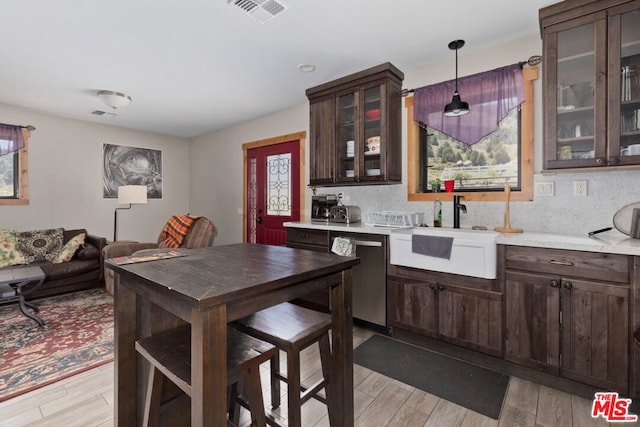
[[9, 254], [69, 249], [39, 245]]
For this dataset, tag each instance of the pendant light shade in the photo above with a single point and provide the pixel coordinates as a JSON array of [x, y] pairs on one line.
[[457, 107]]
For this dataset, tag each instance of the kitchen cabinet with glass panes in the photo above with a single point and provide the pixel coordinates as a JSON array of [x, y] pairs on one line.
[[355, 128], [591, 83]]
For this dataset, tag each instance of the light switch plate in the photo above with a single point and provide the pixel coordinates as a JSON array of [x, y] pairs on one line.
[[545, 189]]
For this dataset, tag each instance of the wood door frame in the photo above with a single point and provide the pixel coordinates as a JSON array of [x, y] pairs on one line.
[[301, 137]]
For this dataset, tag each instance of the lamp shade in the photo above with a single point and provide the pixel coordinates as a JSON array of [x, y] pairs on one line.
[[133, 194], [456, 107], [114, 99]]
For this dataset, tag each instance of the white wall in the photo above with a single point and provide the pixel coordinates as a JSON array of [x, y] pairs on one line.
[[216, 165], [65, 178]]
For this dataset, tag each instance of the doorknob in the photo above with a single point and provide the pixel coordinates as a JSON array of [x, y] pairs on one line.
[[259, 220]]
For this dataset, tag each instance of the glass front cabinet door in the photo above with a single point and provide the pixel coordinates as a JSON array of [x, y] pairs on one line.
[[624, 84], [361, 144], [591, 88], [359, 141]]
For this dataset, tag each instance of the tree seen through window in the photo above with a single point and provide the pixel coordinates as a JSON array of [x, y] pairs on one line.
[[485, 166]]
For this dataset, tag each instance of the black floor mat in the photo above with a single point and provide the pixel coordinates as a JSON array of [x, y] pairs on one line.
[[475, 388]]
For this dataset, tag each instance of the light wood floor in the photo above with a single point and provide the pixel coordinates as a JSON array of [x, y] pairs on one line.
[[87, 400]]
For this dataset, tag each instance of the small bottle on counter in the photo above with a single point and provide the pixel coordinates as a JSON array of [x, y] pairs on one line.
[[437, 213]]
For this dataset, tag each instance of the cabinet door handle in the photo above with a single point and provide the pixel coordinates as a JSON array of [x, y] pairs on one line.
[[432, 286], [567, 285], [600, 161], [614, 160], [556, 262], [440, 287], [369, 243], [555, 284]]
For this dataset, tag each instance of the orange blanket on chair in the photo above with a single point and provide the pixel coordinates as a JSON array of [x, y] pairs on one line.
[[175, 230]]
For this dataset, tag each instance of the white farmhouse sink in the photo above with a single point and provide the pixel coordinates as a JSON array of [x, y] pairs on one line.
[[473, 253]]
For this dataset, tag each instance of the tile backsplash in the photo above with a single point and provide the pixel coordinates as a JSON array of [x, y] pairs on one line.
[[607, 192]]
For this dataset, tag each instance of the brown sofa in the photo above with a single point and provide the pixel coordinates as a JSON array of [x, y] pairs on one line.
[[84, 270], [201, 234]]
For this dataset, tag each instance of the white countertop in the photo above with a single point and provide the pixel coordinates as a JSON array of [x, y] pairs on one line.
[[611, 242], [358, 227]]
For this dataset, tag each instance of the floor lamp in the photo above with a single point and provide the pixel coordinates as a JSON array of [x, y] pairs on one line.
[[131, 194]]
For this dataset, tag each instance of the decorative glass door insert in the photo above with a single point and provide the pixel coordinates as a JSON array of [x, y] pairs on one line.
[[279, 184]]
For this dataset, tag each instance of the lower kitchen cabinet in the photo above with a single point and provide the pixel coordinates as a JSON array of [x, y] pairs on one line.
[[412, 305], [313, 240], [565, 325], [447, 307]]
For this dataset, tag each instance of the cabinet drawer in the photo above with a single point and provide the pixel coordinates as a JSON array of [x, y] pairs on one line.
[[588, 265], [308, 237]]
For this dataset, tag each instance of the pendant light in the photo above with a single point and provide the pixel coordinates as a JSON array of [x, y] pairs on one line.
[[457, 107]]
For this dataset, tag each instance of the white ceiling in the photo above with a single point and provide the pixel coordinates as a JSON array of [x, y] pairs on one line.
[[195, 66]]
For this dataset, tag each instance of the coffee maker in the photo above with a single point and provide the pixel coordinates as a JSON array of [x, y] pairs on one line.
[[321, 206]]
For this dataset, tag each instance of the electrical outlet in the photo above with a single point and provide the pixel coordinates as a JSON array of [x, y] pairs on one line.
[[580, 188]]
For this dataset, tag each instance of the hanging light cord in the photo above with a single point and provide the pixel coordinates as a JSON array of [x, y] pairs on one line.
[[532, 62], [457, 69]]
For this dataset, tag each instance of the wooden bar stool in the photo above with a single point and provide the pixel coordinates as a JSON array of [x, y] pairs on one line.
[[292, 328], [169, 354]]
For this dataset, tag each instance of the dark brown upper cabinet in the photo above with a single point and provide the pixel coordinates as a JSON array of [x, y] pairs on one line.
[[355, 128], [591, 83]]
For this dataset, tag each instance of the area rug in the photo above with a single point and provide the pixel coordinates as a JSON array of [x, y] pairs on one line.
[[475, 388], [78, 335]]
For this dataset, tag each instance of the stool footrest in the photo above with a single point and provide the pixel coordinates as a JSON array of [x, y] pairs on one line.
[[309, 392]]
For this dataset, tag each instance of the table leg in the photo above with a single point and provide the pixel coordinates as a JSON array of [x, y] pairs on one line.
[[125, 360], [209, 367], [342, 352]]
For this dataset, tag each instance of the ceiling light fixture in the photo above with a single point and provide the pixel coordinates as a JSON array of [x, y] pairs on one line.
[[457, 107], [114, 99], [306, 68]]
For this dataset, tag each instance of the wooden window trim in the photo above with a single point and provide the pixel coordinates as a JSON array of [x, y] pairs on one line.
[[23, 178], [526, 163]]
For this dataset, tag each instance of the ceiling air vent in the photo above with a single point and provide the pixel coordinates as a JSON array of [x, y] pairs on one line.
[[103, 113], [260, 10]]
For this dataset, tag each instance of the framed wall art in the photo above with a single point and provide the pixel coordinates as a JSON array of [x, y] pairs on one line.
[[131, 166]]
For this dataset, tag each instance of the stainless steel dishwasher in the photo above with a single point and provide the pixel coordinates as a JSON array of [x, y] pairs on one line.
[[369, 277]]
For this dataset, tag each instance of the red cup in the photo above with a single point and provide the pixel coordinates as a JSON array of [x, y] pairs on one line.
[[448, 185]]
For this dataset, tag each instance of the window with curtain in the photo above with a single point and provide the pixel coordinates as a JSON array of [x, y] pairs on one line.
[[481, 151], [13, 164]]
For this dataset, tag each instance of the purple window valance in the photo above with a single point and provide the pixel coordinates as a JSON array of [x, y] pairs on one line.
[[11, 139], [491, 96]]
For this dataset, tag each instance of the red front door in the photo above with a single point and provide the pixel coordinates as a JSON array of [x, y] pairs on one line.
[[273, 188]]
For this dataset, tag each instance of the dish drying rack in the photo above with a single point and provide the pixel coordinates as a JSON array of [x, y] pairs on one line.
[[397, 219]]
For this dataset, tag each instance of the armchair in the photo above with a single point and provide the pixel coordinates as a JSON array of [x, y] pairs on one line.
[[200, 234]]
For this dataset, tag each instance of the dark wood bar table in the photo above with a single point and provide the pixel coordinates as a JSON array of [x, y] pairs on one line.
[[207, 289]]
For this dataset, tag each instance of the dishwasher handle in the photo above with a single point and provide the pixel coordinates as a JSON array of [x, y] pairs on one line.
[[370, 243]]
